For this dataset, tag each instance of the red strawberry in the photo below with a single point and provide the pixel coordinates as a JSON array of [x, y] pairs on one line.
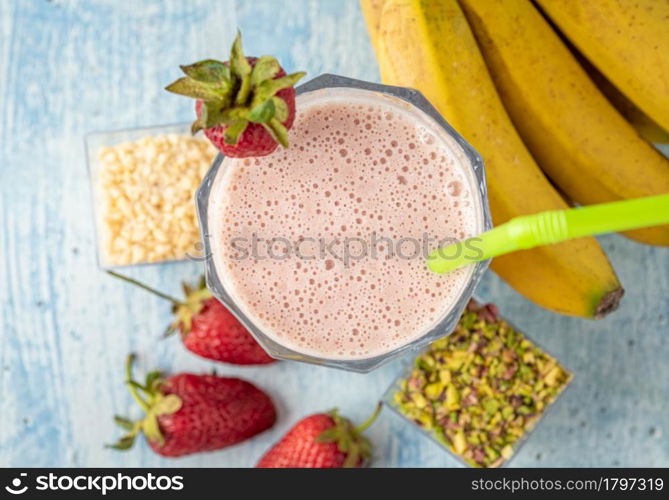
[[323, 440], [245, 105], [207, 328], [189, 413]]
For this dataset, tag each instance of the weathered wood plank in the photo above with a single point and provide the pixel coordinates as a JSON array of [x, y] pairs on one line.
[[70, 67]]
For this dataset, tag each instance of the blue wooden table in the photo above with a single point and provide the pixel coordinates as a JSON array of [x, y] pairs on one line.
[[67, 68]]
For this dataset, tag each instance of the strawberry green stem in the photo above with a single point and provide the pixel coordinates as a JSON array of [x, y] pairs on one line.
[[132, 281], [131, 386], [371, 419]]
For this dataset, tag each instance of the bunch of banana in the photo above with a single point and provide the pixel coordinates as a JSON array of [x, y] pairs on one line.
[[574, 133], [642, 123], [371, 10], [428, 45], [627, 40]]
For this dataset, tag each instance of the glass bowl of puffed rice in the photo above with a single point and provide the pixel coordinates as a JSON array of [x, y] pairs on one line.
[[143, 184]]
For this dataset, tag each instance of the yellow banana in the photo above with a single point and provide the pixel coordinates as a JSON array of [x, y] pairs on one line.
[[427, 44], [645, 126], [578, 138], [371, 10], [627, 40]]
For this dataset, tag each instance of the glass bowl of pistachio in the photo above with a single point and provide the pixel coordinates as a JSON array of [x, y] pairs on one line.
[[480, 391]]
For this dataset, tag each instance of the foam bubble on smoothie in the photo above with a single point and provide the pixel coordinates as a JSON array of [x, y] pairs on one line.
[[359, 171]]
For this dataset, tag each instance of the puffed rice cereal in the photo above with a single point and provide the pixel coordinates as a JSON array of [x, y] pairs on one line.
[[146, 196]]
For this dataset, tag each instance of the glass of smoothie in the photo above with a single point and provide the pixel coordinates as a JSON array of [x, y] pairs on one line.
[[319, 249]]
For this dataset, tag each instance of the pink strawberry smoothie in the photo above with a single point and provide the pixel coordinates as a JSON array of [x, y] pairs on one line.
[[365, 172]]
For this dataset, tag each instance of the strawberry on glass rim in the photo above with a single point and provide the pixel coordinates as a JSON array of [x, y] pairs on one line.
[[245, 105]]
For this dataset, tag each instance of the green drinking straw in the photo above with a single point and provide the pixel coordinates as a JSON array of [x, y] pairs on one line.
[[555, 226]]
